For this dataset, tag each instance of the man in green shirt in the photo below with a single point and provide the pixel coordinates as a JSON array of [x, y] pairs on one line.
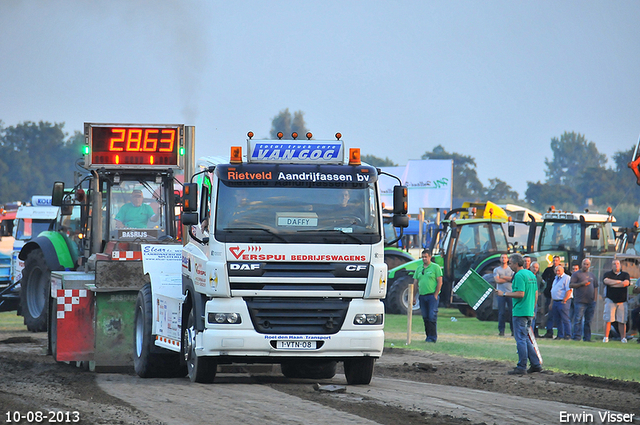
[[524, 291], [428, 276], [134, 214]]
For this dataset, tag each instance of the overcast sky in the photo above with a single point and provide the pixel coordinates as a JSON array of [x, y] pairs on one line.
[[495, 80]]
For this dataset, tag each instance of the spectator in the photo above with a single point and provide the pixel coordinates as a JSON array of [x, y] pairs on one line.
[[502, 276], [548, 276], [527, 262], [575, 266], [428, 276], [615, 303], [524, 294], [540, 319], [560, 293], [585, 292]]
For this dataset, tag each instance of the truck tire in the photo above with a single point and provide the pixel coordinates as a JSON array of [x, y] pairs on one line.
[[146, 362], [397, 297], [34, 292], [309, 369], [359, 370], [200, 369]]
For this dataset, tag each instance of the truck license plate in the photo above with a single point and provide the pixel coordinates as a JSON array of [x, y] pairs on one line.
[[296, 345]]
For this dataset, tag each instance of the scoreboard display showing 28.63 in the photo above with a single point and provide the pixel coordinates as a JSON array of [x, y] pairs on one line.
[[123, 145]]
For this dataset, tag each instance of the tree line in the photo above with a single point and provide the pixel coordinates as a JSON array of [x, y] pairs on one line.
[[577, 178], [34, 155]]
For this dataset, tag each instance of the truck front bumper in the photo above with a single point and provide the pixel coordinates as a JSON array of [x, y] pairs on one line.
[[242, 340]]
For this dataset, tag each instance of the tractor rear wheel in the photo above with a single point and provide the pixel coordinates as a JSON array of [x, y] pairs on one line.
[[34, 291]]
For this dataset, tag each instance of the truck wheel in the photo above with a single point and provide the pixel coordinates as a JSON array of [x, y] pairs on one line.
[[149, 364], [200, 369], [34, 292], [398, 296], [309, 369], [359, 370]]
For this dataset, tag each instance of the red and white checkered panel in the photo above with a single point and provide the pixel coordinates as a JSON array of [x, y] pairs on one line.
[[74, 325], [126, 255], [67, 298]]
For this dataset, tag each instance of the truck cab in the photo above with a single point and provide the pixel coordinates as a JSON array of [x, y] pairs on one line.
[[285, 261], [30, 221]]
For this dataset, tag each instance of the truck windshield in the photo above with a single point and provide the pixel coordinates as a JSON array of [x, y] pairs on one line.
[[297, 214], [30, 228], [560, 235]]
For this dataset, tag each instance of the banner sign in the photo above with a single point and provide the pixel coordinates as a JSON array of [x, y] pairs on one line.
[[430, 184]]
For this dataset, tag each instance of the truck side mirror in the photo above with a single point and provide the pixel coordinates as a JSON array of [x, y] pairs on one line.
[[400, 200], [57, 194], [5, 229], [595, 233], [190, 199], [400, 206], [400, 220], [190, 218], [511, 230]]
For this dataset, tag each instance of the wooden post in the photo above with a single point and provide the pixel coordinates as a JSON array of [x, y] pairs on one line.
[[409, 312]]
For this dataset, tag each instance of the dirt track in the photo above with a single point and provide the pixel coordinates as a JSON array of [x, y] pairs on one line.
[[409, 388]]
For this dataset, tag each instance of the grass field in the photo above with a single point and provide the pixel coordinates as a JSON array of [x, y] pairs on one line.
[[10, 321], [471, 338]]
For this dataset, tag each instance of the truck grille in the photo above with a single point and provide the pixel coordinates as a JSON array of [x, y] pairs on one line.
[[323, 316], [298, 276]]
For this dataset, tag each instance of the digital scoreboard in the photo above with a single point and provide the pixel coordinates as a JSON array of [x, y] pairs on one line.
[[124, 145]]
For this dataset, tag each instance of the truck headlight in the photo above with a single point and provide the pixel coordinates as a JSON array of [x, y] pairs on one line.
[[233, 318], [367, 319]]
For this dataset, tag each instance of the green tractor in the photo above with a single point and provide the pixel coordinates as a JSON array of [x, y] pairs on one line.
[[574, 235], [458, 245]]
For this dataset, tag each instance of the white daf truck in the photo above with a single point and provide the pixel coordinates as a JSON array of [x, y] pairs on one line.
[[284, 265]]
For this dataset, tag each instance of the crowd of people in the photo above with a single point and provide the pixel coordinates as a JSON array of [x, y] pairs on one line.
[[531, 301], [567, 300]]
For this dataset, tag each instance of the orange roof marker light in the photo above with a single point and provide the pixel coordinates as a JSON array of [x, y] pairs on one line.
[[250, 135], [338, 136], [309, 135], [294, 135], [280, 135], [354, 156], [236, 155]]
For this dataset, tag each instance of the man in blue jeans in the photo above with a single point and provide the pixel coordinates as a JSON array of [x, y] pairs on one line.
[[524, 294], [561, 294], [585, 293], [428, 276]]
